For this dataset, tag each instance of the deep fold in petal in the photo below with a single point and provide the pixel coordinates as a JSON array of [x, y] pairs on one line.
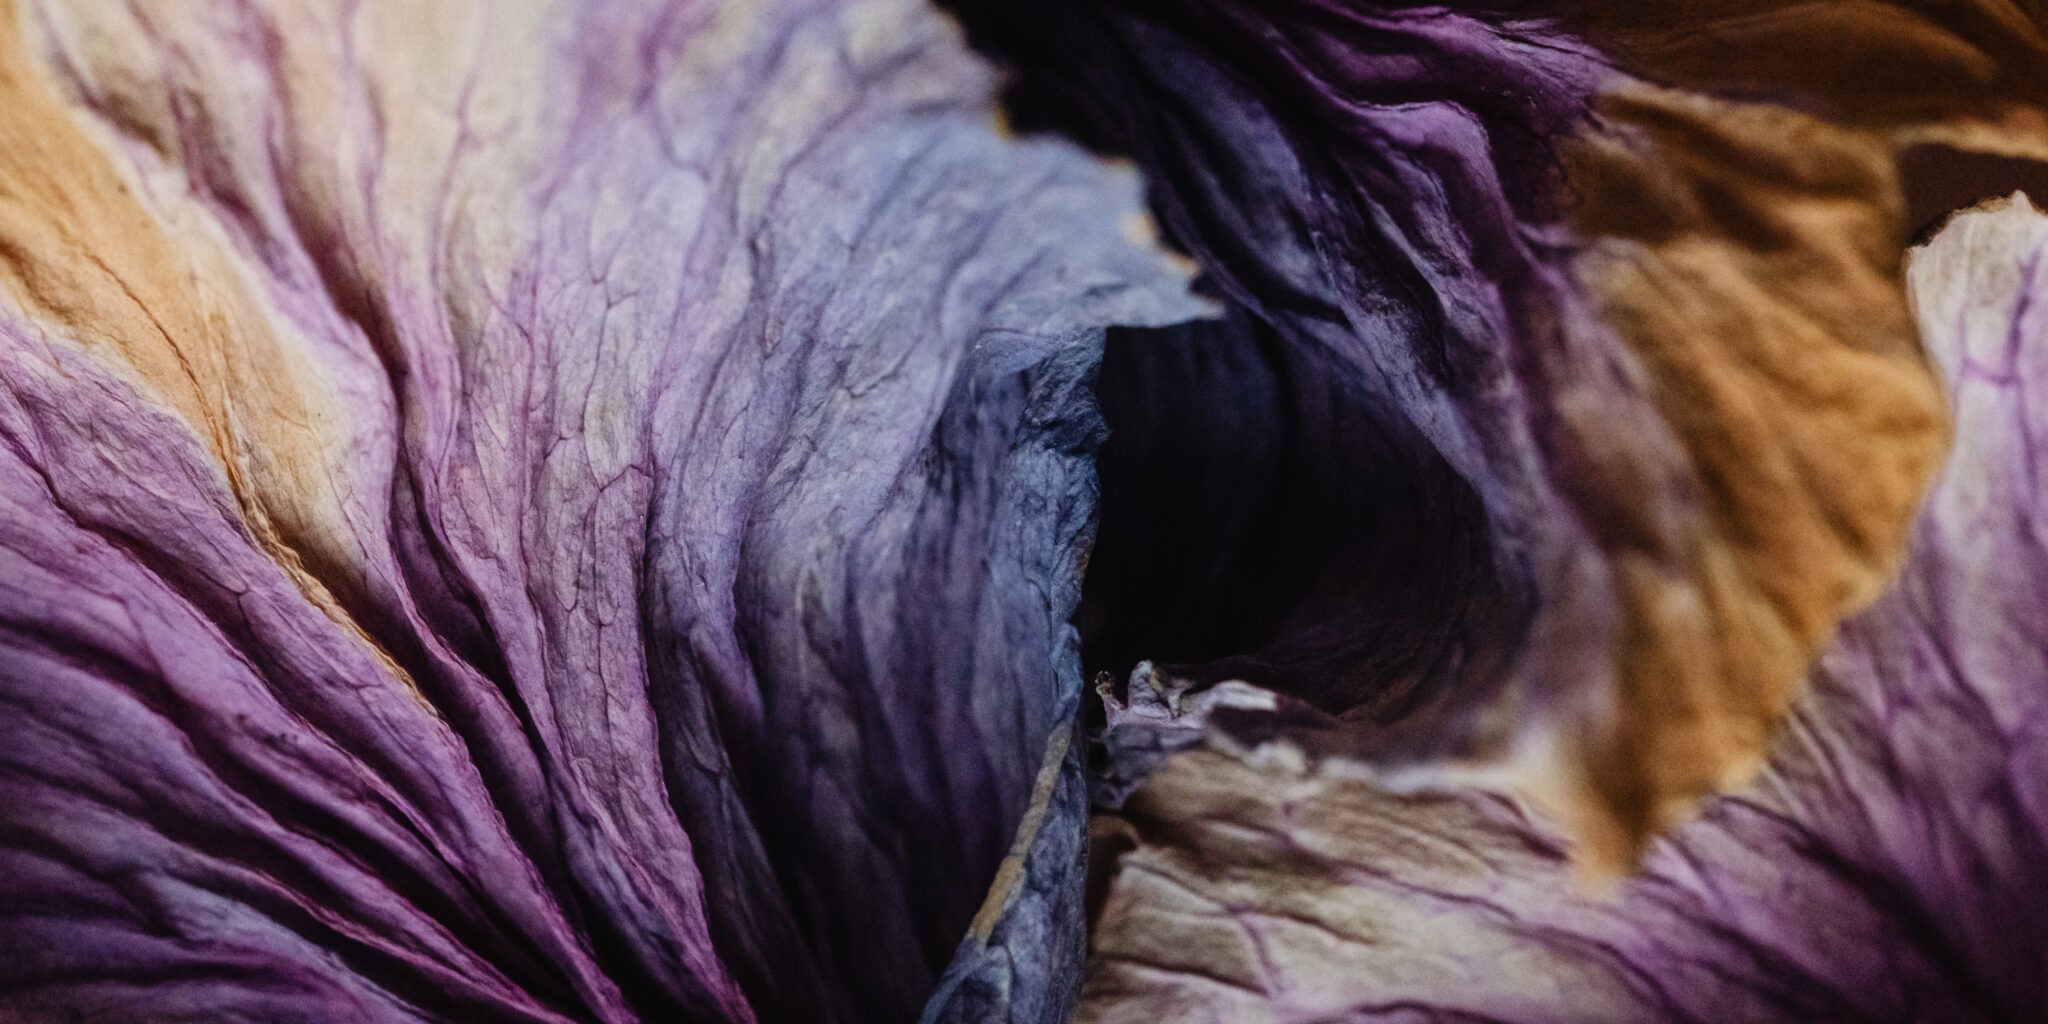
[[1888, 865], [1629, 411]]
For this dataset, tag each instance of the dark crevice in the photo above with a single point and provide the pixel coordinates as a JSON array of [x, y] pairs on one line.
[[1265, 518], [1268, 512], [1939, 180]]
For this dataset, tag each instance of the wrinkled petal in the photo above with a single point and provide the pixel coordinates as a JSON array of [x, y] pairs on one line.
[[1891, 864], [538, 511], [1575, 347], [571, 510]]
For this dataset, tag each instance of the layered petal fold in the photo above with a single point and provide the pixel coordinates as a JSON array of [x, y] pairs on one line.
[[540, 511], [1578, 343], [576, 510], [1888, 865]]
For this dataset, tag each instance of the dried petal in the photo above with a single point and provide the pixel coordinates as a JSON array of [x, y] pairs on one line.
[[1889, 865], [1579, 334], [533, 511]]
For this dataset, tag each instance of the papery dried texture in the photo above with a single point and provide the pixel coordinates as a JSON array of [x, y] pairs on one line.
[[1891, 864], [537, 511], [1162, 716], [1021, 958], [1649, 325]]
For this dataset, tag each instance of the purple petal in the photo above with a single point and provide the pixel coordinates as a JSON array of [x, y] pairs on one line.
[[1581, 407], [535, 513], [1890, 864]]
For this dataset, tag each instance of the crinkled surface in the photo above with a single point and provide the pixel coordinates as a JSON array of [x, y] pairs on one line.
[[570, 510], [538, 511], [1615, 339], [1966, 72], [1890, 865], [1164, 716]]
